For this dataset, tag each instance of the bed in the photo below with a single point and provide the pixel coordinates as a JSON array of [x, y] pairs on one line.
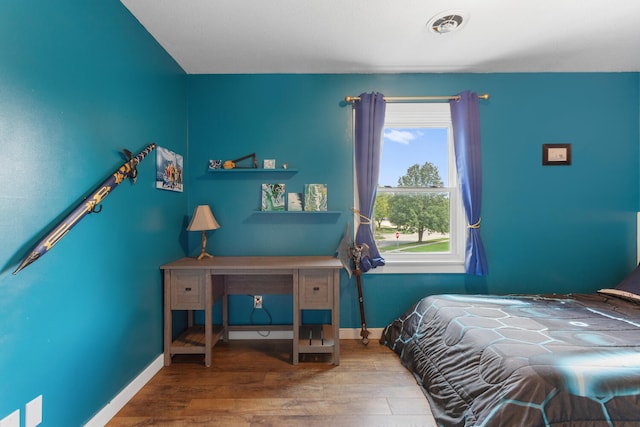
[[526, 360]]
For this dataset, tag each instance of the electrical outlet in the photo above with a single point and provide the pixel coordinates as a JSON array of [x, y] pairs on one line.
[[11, 420], [257, 301], [33, 412]]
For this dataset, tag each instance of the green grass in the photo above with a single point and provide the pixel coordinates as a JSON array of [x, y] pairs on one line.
[[434, 247], [439, 245]]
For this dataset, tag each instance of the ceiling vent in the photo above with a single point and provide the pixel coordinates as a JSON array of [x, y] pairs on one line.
[[447, 22]]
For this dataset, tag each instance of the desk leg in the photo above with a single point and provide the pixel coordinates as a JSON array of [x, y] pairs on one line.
[[208, 320], [225, 310], [168, 321], [296, 319], [335, 317]]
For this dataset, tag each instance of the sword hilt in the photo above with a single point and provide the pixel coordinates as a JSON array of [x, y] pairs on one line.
[[133, 161]]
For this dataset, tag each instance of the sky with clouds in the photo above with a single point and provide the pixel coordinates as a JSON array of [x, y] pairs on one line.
[[402, 148]]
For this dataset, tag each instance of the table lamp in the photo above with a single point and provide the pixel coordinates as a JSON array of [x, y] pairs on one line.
[[203, 220]]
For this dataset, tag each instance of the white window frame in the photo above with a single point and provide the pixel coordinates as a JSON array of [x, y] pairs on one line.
[[428, 115]]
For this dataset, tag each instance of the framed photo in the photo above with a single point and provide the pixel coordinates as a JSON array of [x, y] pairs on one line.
[[273, 197], [269, 164], [168, 170], [315, 197], [556, 154], [294, 202]]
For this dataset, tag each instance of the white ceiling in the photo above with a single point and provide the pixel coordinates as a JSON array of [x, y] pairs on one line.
[[391, 36]]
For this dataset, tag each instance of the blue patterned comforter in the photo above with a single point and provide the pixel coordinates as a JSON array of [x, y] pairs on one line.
[[524, 360]]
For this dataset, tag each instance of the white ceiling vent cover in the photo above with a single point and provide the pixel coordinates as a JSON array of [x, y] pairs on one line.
[[447, 22]]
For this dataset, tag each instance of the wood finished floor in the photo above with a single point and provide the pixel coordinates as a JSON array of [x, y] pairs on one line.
[[253, 383]]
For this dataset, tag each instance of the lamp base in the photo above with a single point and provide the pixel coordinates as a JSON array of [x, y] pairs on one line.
[[203, 252], [204, 255]]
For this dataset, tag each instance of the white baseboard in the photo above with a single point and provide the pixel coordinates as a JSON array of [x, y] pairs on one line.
[[260, 335], [345, 334], [374, 333], [118, 402]]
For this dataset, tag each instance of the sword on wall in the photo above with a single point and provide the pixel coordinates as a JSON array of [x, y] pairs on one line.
[[88, 205]]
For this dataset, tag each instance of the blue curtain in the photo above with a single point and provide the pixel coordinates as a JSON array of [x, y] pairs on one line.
[[465, 119], [368, 127]]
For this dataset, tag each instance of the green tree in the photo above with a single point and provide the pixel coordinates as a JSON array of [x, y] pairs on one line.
[[420, 212], [381, 208], [426, 175]]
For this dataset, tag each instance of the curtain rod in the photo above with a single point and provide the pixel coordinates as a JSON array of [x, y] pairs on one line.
[[351, 99]]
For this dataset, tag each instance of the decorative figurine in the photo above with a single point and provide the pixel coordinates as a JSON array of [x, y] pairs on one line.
[[232, 164], [215, 164]]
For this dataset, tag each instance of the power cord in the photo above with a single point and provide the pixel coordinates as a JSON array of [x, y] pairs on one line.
[[251, 320]]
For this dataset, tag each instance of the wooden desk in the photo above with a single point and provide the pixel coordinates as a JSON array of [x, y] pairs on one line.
[[189, 284]]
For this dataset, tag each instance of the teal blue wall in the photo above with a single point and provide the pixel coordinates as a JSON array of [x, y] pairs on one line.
[[546, 229], [79, 81]]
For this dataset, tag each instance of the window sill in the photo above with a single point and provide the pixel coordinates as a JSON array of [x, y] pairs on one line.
[[409, 267]]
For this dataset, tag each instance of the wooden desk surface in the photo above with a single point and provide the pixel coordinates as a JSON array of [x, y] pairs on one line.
[[255, 262]]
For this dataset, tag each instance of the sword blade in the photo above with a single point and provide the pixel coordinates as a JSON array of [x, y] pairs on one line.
[[127, 170]]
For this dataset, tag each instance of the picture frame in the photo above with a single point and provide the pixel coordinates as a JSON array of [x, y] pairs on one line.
[[273, 197], [169, 170], [556, 154], [315, 197], [295, 202]]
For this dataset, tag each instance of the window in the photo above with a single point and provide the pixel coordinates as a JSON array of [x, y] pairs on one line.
[[418, 222]]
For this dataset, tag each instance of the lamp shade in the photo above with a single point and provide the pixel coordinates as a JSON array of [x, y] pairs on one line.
[[203, 219]]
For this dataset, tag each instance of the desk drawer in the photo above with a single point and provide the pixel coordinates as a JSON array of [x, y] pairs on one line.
[[187, 290], [316, 289]]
